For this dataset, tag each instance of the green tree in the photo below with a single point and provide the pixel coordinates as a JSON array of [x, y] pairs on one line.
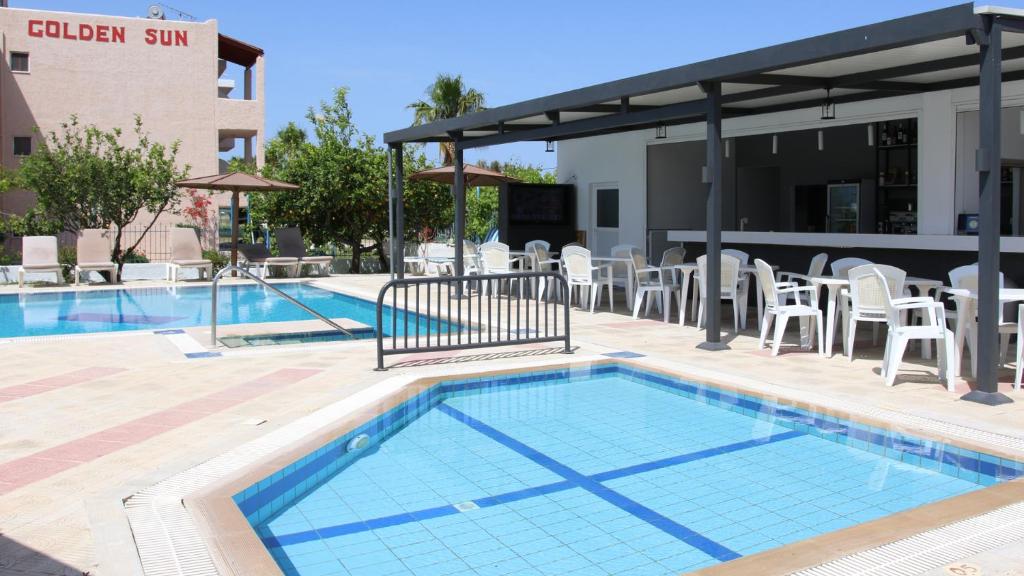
[[447, 97], [343, 184], [85, 177]]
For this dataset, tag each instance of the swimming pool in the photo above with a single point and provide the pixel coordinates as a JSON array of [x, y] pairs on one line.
[[607, 469], [74, 312]]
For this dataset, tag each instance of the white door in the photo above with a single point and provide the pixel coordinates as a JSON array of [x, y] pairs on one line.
[[604, 216]]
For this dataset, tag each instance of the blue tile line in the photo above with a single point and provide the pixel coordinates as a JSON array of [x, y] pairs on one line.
[[695, 539], [523, 494], [692, 456], [197, 355]]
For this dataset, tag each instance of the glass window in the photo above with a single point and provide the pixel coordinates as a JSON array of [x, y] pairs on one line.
[[19, 61], [608, 208], [22, 145]]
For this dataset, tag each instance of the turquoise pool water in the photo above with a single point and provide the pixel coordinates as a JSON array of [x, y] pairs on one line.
[[51, 313], [602, 470]]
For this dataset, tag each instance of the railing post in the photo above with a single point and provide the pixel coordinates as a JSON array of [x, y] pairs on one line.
[[565, 310], [213, 311], [380, 326]]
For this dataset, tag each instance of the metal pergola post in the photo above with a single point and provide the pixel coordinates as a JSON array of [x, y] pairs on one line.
[[391, 217], [459, 187], [713, 178], [399, 210], [989, 163]]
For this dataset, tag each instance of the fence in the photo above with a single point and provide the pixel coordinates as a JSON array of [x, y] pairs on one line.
[[429, 315]]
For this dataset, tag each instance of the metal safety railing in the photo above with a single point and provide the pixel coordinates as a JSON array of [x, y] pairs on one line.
[[435, 314], [265, 284]]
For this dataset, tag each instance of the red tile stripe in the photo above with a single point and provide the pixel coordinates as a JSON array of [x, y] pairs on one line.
[[40, 465], [54, 382]]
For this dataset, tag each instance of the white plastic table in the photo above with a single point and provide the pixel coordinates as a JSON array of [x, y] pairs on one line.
[[967, 313], [630, 275], [688, 269], [835, 286]]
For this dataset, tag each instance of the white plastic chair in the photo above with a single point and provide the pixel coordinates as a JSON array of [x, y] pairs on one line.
[[494, 259], [816, 267], [863, 302], [966, 278], [842, 267], [730, 290], [580, 272], [900, 334], [1020, 348], [650, 284], [744, 284], [621, 277], [775, 308], [544, 263]]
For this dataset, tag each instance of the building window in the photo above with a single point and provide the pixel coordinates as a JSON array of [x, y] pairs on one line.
[[22, 145], [19, 61], [608, 208]]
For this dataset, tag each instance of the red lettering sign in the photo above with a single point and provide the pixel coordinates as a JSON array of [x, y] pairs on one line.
[[102, 33]]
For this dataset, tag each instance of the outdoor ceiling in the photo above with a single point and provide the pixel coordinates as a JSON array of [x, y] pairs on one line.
[[919, 53]]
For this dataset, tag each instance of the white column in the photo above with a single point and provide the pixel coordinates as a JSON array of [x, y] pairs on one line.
[[936, 154]]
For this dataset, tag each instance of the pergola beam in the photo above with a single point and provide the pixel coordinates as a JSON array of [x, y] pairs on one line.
[[692, 109]]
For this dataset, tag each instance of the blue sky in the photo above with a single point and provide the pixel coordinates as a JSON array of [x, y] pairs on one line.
[[388, 52]]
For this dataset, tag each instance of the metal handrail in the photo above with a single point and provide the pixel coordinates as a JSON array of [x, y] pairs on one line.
[[261, 281]]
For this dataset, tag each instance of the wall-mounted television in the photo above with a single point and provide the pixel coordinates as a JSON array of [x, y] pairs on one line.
[[537, 212], [539, 205]]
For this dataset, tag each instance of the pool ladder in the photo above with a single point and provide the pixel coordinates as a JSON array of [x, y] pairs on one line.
[[264, 283]]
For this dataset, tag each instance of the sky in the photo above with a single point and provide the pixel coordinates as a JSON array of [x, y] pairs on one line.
[[388, 52]]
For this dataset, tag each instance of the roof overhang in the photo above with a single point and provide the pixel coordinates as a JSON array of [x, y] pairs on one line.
[[920, 53], [238, 52]]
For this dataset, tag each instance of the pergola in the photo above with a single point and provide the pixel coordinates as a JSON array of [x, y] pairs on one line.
[[938, 50]]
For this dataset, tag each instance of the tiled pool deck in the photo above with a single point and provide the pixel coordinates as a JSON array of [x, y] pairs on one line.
[[87, 421]]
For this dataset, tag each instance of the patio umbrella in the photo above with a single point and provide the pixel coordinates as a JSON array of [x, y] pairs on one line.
[[474, 176], [235, 182]]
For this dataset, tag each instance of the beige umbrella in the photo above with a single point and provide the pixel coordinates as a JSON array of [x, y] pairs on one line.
[[474, 176], [235, 182]]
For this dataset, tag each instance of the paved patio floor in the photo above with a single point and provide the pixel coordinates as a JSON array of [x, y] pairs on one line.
[[87, 421]]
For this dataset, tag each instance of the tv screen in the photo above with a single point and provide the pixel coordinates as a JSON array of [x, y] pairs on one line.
[[538, 205]]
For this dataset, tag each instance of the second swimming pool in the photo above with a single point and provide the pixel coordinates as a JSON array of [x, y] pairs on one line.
[[603, 470]]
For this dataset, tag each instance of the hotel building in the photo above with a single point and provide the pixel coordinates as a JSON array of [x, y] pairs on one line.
[[179, 76]]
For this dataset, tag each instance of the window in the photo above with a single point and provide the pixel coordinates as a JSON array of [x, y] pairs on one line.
[[608, 208], [22, 145], [19, 61]]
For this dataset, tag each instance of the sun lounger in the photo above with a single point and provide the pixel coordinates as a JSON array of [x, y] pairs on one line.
[[290, 243], [186, 252], [260, 256], [94, 254], [39, 255]]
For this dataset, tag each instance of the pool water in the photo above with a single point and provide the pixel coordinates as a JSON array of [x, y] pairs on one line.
[[604, 470], [74, 312]]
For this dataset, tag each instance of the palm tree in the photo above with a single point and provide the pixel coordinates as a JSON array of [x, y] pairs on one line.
[[447, 97]]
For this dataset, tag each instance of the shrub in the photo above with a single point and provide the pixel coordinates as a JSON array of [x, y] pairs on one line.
[[219, 260], [136, 257]]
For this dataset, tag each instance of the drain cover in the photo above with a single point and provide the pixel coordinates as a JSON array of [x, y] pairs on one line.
[[963, 569], [466, 506]]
